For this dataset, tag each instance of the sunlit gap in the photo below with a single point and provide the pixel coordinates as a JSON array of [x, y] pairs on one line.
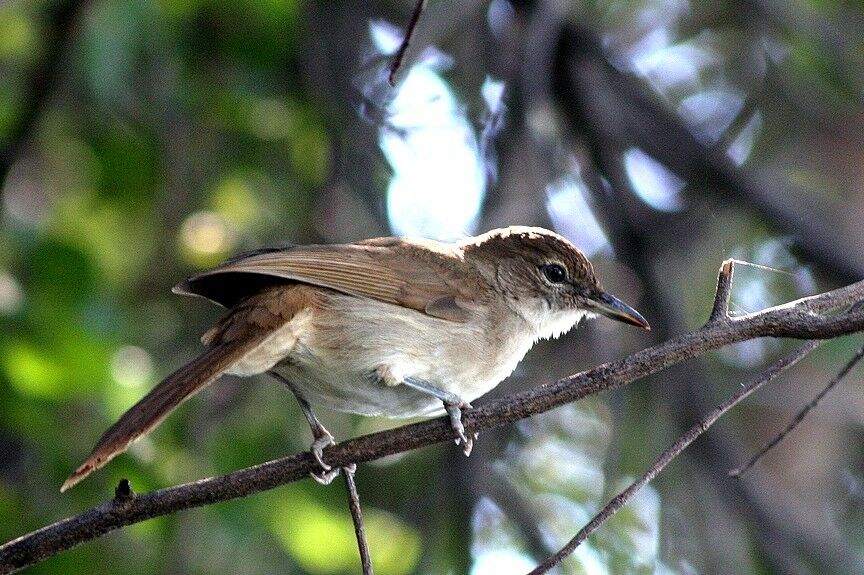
[[439, 172], [496, 546], [741, 147], [500, 17], [131, 366], [709, 113], [685, 75], [572, 216], [652, 182], [11, 294]]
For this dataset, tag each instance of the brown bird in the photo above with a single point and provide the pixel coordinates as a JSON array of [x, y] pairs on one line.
[[388, 326]]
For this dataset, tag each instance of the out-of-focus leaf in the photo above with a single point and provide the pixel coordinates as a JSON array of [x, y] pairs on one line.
[[31, 371], [322, 540], [18, 35]]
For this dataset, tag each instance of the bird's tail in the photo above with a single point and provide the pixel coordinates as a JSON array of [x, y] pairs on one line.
[[162, 400]]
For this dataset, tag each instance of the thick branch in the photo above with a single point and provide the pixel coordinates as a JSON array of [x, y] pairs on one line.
[[798, 319]]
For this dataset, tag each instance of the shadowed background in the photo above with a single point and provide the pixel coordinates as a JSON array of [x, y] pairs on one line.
[[141, 142]]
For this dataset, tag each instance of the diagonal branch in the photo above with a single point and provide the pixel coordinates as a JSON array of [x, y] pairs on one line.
[[799, 417], [671, 453], [357, 518], [406, 40], [801, 319]]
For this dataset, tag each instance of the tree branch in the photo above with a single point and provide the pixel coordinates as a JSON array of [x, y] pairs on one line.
[[406, 40], [620, 109], [357, 518], [800, 319], [799, 417], [671, 453]]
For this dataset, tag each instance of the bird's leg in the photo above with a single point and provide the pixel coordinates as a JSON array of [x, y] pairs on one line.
[[453, 405], [322, 437]]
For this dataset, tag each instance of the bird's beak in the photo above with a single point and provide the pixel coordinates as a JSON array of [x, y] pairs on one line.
[[612, 307]]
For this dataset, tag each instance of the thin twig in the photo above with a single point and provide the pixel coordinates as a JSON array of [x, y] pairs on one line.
[[720, 311], [357, 518], [406, 40], [799, 417], [674, 450], [798, 319]]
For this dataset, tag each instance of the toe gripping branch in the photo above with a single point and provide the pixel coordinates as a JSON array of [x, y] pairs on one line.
[[453, 404]]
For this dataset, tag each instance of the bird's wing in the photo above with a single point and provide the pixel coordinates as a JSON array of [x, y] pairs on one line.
[[417, 275]]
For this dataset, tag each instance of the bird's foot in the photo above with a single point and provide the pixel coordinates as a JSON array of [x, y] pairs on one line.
[[453, 404], [323, 438], [454, 410]]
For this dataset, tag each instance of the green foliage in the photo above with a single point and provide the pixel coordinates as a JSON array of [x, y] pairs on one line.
[[322, 540], [179, 132]]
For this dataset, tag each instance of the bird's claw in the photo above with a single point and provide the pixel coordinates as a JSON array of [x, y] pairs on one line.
[[454, 410], [322, 439], [327, 477]]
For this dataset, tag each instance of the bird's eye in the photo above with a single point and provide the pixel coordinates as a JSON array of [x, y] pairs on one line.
[[555, 273]]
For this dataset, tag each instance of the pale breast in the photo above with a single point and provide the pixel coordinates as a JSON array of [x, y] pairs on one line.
[[336, 361]]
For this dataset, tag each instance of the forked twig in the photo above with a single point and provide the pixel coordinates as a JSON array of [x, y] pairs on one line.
[[674, 450], [799, 417]]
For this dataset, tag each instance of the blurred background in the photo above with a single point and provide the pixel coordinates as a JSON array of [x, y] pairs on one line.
[[143, 141]]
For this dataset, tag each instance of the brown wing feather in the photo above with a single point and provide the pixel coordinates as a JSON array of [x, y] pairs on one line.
[[400, 272]]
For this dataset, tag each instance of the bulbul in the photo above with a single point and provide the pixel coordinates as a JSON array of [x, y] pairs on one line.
[[392, 327]]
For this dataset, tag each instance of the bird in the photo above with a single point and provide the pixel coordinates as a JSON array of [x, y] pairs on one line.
[[390, 326]]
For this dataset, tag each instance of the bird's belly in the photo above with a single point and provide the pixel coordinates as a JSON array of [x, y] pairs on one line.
[[359, 393], [341, 386], [344, 373]]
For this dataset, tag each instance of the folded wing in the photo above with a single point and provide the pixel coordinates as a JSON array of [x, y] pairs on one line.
[[416, 275]]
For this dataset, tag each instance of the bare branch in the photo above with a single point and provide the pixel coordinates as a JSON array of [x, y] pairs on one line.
[[720, 311], [674, 451], [799, 417], [357, 518], [406, 40], [799, 320]]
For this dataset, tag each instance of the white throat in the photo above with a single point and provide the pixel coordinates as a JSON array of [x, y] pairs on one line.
[[549, 324]]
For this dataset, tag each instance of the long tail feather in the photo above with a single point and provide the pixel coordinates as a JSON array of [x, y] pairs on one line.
[[156, 405]]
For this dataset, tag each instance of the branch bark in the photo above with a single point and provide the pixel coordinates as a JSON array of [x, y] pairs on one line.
[[357, 518], [406, 40], [671, 453], [802, 319]]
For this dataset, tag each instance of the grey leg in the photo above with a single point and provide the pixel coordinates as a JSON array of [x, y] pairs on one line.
[[322, 437], [453, 405]]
